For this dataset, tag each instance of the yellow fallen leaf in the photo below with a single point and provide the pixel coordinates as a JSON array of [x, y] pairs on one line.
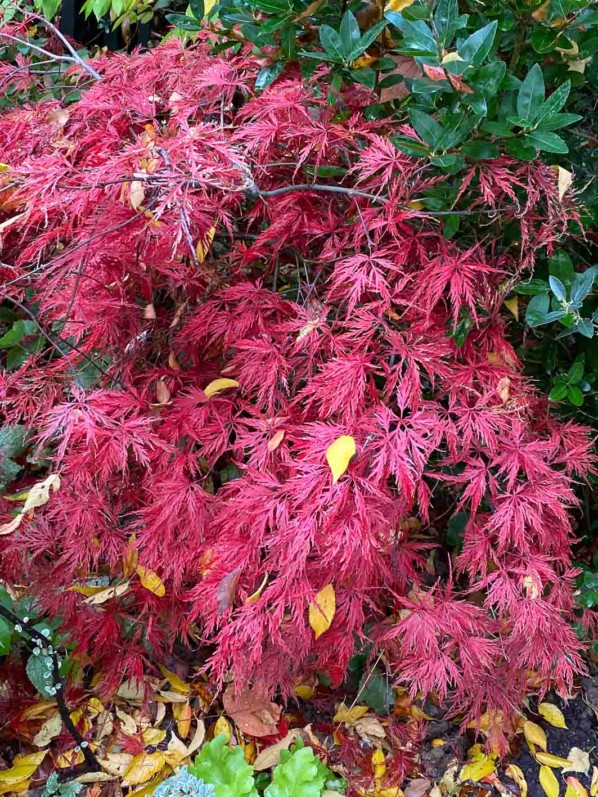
[[549, 782], [107, 594], [378, 765], [203, 246], [339, 454], [22, 768], [132, 690], [397, 5], [70, 758], [304, 691], [177, 684], [564, 180], [270, 757], [512, 306], [551, 760], [176, 751], [437, 742], [575, 788], [254, 596], [143, 767], [480, 766], [217, 385], [151, 581], [594, 783], [322, 609], [416, 204], [153, 736], [579, 65], [94, 706], [136, 194], [349, 715], [149, 788], [516, 774], [116, 764], [127, 724], [38, 495], [222, 726], [275, 441], [49, 729], [182, 713], [198, 738], [534, 734]]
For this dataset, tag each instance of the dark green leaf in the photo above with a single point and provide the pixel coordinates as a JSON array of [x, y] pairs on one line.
[[558, 392], [197, 8], [426, 127], [583, 284], [446, 20], [477, 46], [537, 310], [561, 266], [410, 146], [377, 693], [531, 94], [557, 287], [368, 37], [487, 79], [331, 42], [547, 142], [366, 76], [349, 33], [519, 149], [574, 395], [417, 33], [183, 22], [585, 327], [532, 287], [480, 150], [18, 331], [575, 373], [559, 120], [555, 102], [268, 74]]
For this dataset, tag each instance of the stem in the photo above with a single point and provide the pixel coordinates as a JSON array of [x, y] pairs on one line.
[[90, 759]]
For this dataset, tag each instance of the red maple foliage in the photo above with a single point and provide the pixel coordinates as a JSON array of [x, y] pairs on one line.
[[161, 245]]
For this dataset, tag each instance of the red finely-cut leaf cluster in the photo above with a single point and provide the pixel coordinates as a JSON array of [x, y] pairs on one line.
[[161, 246]]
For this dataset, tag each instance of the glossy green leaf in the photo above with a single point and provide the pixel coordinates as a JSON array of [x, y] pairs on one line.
[[531, 95], [477, 46], [546, 142]]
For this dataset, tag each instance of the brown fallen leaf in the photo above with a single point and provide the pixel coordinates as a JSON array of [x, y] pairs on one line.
[[252, 711], [270, 757]]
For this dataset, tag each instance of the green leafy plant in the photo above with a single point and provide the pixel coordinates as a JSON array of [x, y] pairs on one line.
[[300, 773]]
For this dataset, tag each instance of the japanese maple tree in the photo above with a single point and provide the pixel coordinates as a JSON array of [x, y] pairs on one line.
[[224, 283]]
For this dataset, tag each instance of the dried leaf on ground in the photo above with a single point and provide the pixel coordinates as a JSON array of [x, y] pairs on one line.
[[252, 711]]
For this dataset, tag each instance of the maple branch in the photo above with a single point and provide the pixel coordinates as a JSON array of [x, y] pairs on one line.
[[24, 627], [73, 58], [332, 189]]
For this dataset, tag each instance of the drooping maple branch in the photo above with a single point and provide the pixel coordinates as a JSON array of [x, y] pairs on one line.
[[24, 627], [73, 58]]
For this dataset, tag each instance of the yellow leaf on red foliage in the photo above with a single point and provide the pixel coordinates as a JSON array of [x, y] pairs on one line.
[[535, 734], [549, 782], [143, 767], [151, 581], [203, 246], [378, 765], [218, 385], [339, 454], [322, 610]]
